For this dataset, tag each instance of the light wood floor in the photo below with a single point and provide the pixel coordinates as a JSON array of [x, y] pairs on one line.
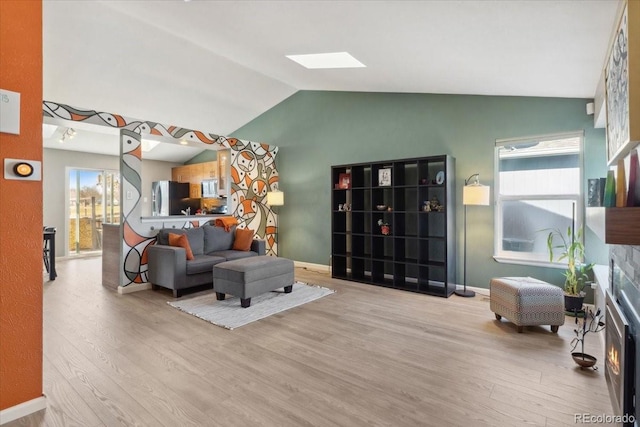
[[364, 356]]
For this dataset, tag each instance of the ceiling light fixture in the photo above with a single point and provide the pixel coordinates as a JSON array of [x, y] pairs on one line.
[[327, 60], [68, 134]]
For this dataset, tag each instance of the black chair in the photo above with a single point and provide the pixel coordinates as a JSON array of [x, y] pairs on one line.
[[46, 247]]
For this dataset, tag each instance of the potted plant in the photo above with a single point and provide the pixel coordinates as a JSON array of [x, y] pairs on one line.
[[590, 323], [577, 273]]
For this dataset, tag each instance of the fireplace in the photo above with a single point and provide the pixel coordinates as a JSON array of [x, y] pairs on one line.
[[618, 358], [622, 326]]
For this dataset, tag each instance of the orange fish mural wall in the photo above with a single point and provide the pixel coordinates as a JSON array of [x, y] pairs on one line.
[[21, 279], [253, 173]]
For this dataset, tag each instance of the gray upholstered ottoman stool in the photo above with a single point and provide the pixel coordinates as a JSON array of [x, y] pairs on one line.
[[252, 276], [526, 302]]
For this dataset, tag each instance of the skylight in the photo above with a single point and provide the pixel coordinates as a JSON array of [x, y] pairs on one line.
[[327, 60], [48, 130], [148, 145]]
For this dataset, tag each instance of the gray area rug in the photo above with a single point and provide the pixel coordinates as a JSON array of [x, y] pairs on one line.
[[228, 313]]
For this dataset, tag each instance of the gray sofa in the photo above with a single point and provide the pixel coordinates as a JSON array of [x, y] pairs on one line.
[[168, 266]]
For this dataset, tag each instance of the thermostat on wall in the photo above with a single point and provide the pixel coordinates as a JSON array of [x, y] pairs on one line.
[[28, 170]]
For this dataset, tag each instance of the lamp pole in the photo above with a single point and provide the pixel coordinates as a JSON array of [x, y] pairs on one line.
[[464, 292], [472, 194]]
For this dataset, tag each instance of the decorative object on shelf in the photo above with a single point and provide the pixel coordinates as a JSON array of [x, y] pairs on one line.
[[384, 227], [424, 181], [595, 192], [633, 195], [590, 323], [440, 178], [347, 207], [621, 181], [577, 273], [384, 177], [381, 207], [472, 194], [435, 206], [426, 206], [434, 203], [610, 190], [344, 181], [340, 207]]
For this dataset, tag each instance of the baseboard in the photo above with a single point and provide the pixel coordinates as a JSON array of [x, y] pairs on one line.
[[135, 287], [310, 266], [23, 409]]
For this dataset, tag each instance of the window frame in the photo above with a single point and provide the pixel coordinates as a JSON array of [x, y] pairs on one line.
[[514, 257]]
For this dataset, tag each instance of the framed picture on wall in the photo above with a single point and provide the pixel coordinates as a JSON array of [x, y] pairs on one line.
[[621, 137], [384, 177]]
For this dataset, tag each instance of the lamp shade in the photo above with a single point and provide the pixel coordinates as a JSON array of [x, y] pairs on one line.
[[475, 194], [275, 198]]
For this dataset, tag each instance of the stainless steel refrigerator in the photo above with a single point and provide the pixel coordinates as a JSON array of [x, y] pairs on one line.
[[169, 197]]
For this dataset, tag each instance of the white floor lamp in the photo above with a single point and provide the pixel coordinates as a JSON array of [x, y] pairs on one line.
[[276, 198], [472, 194]]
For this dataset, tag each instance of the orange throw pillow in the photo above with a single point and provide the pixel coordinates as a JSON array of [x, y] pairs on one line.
[[181, 240], [244, 237]]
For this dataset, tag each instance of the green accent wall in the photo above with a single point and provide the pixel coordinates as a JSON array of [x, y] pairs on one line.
[[317, 129], [205, 156]]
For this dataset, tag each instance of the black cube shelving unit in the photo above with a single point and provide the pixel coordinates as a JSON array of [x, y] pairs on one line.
[[418, 253]]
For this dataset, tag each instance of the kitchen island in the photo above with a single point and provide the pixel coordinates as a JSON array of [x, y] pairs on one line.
[[178, 221], [172, 218]]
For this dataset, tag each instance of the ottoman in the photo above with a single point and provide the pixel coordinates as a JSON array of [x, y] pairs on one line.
[[526, 301], [248, 277]]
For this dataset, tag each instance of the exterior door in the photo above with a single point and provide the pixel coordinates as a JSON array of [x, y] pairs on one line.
[[94, 199]]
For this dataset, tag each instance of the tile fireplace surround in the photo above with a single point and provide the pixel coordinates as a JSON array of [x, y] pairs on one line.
[[621, 351]]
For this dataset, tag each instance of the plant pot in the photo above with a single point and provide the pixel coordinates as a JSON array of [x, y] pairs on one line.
[[584, 360], [573, 303]]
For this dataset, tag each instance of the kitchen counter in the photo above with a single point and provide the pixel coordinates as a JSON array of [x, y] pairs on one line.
[[179, 217]]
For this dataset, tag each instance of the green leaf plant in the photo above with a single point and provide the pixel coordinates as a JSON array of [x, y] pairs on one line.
[[569, 247]]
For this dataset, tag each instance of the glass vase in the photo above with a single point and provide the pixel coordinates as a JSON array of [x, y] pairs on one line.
[[633, 195], [610, 190]]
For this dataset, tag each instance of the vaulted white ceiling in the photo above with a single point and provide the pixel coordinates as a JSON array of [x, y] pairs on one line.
[[216, 65]]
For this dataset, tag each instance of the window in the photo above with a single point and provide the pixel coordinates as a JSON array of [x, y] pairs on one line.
[[538, 187]]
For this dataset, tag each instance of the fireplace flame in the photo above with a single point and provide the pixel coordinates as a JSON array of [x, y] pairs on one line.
[[614, 360]]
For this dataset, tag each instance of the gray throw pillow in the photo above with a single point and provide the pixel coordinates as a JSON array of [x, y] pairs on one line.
[[196, 240], [195, 236], [216, 239], [162, 238]]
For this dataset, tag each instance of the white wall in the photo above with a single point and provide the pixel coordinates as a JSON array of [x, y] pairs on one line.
[[55, 167]]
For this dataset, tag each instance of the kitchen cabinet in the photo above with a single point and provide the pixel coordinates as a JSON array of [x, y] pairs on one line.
[[191, 174], [181, 173], [209, 170], [195, 173], [195, 191], [224, 172]]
